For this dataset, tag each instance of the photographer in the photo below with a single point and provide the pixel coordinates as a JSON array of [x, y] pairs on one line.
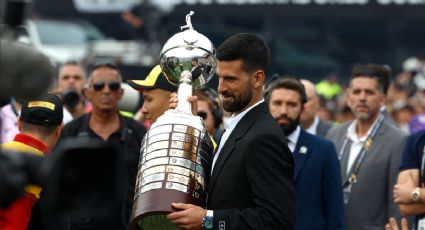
[[71, 80]]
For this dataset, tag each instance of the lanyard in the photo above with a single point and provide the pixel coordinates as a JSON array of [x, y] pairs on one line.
[[359, 160], [422, 174]]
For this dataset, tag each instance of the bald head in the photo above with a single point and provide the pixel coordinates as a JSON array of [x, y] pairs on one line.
[[312, 105], [310, 89]]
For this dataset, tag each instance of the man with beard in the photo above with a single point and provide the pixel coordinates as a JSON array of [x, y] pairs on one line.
[[317, 177], [251, 186], [369, 149]]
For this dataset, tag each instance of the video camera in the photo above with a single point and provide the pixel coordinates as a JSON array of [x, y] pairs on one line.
[[80, 175]]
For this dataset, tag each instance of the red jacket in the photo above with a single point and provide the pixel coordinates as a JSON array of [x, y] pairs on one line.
[[17, 215]]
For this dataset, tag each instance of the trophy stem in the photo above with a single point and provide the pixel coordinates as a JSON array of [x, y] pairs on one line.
[[184, 91]]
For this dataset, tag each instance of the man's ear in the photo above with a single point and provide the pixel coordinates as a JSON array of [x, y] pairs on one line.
[[258, 78], [59, 130]]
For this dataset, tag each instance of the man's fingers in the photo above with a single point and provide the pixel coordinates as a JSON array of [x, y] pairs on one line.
[[175, 216], [393, 224], [182, 206], [404, 224]]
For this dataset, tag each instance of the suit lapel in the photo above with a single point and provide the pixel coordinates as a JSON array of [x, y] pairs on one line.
[[301, 153], [320, 127], [344, 162], [376, 142], [240, 130]]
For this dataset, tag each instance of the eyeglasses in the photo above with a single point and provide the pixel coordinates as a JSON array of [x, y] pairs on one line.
[[203, 115], [113, 85]]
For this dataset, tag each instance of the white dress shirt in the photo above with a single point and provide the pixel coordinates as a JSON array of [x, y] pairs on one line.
[[313, 127], [293, 138], [357, 143]]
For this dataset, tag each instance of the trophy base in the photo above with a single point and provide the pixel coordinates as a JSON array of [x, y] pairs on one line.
[[156, 222], [151, 209]]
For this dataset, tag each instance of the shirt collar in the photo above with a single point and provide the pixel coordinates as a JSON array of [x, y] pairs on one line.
[[120, 130], [313, 127], [293, 137], [234, 120], [31, 141], [351, 131]]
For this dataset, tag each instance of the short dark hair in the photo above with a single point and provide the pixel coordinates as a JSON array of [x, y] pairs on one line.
[[44, 131], [250, 48], [287, 82], [107, 65], [73, 63], [375, 71]]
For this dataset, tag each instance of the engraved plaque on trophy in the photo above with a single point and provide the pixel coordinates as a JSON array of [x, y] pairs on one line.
[[177, 152]]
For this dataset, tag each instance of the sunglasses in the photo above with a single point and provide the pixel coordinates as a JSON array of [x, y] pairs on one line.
[[203, 115], [113, 85]]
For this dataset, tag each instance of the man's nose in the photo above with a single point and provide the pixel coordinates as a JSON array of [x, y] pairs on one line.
[[145, 109], [283, 110]]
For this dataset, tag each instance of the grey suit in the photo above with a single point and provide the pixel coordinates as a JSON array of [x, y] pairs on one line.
[[323, 128], [371, 200]]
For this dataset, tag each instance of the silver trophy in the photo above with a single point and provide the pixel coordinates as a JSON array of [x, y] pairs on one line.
[[177, 152]]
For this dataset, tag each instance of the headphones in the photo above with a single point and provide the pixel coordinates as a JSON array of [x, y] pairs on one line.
[[216, 110]]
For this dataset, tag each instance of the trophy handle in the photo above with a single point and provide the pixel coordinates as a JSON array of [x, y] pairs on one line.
[[184, 91]]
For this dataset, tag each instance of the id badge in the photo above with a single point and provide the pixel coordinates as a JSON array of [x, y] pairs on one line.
[[421, 223], [346, 192]]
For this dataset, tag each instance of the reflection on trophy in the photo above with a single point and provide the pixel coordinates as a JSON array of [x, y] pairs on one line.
[[177, 152]]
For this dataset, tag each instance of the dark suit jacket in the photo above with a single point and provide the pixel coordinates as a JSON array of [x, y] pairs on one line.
[[251, 186], [323, 128], [317, 184]]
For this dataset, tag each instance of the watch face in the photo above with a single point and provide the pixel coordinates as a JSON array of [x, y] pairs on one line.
[[415, 196], [208, 222]]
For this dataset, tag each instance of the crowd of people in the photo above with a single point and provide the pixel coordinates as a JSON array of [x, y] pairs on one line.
[[290, 154]]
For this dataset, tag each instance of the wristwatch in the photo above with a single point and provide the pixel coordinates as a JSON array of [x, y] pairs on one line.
[[416, 194], [207, 221]]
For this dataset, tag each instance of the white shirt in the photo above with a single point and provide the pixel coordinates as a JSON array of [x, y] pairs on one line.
[[293, 138], [313, 127], [229, 126], [357, 143]]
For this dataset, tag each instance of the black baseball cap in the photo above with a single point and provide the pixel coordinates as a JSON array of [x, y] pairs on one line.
[[154, 80], [47, 110]]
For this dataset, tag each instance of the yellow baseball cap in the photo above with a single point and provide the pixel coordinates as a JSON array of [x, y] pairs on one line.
[[154, 80]]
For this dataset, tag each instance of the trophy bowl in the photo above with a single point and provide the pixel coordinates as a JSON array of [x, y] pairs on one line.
[[177, 152], [188, 51]]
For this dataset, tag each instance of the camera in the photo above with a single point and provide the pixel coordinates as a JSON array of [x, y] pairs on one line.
[[70, 98], [72, 177]]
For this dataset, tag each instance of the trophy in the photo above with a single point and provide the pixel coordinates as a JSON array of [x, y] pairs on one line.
[[177, 152]]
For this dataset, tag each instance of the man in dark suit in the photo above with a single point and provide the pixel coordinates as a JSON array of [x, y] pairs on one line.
[[370, 150], [309, 120], [409, 191], [251, 186], [317, 174]]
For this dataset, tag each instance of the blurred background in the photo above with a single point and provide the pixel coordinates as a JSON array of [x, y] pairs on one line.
[[307, 38], [319, 40]]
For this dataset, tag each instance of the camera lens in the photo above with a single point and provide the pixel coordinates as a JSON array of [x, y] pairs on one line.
[[71, 99]]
